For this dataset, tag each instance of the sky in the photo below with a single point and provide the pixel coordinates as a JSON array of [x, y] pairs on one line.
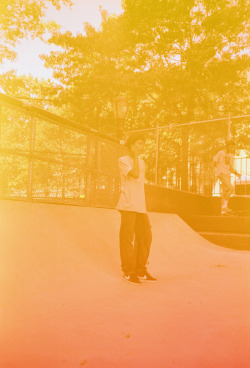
[[28, 50]]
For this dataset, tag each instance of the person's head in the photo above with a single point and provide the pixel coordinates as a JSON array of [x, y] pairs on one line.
[[229, 146], [136, 142]]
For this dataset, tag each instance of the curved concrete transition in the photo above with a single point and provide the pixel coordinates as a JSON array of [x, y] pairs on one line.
[[64, 304]]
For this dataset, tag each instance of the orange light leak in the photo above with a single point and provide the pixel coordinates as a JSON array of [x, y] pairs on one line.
[[64, 303]]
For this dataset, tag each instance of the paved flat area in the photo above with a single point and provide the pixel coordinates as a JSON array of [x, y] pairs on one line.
[[64, 304]]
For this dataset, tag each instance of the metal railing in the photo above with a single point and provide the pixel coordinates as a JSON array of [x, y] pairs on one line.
[[45, 157], [180, 156]]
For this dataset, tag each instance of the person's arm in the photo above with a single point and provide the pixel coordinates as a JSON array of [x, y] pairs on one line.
[[135, 170], [215, 159], [232, 169], [124, 166]]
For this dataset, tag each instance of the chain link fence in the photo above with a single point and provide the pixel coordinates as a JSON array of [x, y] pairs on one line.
[[181, 156], [47, 158], [44, 157]]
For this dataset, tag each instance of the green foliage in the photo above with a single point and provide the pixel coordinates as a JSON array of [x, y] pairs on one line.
[[42, 93], [175, 60], [22, 18]]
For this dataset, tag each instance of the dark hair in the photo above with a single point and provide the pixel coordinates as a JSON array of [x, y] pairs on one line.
[[136, 136], [229, 143]]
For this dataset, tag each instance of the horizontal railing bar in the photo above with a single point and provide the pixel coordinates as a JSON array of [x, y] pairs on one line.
[[51, 117], [170, 126], [35, 156], [17, 151]]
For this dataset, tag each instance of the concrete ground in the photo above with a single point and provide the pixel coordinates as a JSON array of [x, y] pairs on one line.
[[64, 304]]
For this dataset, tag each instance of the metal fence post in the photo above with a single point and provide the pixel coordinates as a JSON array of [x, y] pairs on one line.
[[184, 158], [229, 122], [156, 153], [31, 156], [89, 179], [1, 117], [3, 181]]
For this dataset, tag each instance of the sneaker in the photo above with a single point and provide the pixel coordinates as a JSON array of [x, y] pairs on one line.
[[132, 279], [147, 277], [226, 211]]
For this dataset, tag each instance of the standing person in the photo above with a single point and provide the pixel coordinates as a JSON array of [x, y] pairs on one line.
[[224, 166], [135, 230]]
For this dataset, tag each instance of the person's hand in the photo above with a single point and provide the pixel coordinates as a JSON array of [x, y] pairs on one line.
[[238, 175], [135, 151]]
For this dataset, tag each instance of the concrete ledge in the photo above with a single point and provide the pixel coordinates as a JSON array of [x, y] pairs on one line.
[[234, 241], [159, 199], [239, 203], [219, 224]]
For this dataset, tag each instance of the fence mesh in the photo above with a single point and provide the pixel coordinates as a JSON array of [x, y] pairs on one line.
[[183, 157], [42, 160], [47, 160]]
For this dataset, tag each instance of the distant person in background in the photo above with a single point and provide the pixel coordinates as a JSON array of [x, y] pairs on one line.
[[224, 166], [135, 230]]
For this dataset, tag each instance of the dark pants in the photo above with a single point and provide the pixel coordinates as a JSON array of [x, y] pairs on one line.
[[135, 228]]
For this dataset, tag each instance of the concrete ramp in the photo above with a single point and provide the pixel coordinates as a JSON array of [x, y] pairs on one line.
[[64, 304]]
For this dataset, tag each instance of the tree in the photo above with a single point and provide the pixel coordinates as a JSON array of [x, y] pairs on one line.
[[176, 61], [39, 92], [22, 18], [184, 58]]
